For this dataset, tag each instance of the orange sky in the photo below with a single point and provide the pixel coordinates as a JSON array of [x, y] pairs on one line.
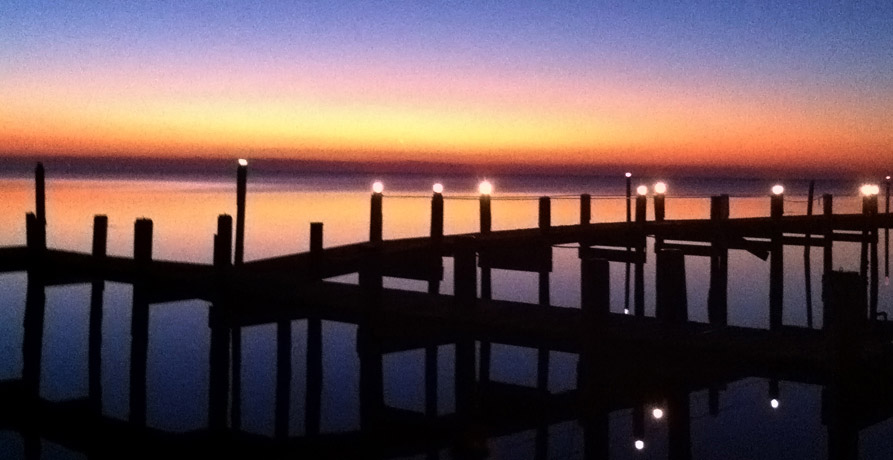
[[701, 102]]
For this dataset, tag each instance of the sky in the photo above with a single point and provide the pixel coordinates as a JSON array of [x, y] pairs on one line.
[[745, 84]]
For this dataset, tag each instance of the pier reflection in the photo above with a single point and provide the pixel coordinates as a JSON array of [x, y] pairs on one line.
[[655, 388]]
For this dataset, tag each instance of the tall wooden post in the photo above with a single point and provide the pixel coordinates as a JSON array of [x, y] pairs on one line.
[[641, 208], [585, 209], [241, 190], [807, 259], [629, 194], [827, 250], [671, 303], [639, 283], [223, 242], [717, 296], [871, 218], [776, 264], [94, 359], [545, 213], [887, 233], [142, 241], [486, 226], [659, 207], [316, 239], [375, 218], [437, 216], [40, 205]]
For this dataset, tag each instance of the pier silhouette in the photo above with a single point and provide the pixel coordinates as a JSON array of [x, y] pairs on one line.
[[625, 361]]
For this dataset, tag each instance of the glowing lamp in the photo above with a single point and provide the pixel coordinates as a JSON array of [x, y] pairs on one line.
[[657, 413], [243, 162], [774, 403], [777, 189], [870, 189], [660, 188], [887, 178], [639, 444], [629, 174], [485, 188], [438, 188], [642, 190], [626, 311], [377, 187]]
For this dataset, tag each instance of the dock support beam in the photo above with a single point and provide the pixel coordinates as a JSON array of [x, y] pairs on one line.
[[94, 347], [316, 240], [142, 241], [437, 216], [718, 294], [100, 235], [223, 242], [869, 209], [375, 218], [659, 207], [465, 271], [40, 205], [585, 209], [776, 264], [828, 249], [241, 190]]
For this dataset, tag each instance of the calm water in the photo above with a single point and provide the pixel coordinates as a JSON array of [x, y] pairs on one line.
[[278, 215]]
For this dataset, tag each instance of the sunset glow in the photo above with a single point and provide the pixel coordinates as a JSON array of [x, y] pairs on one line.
[[756, 86]]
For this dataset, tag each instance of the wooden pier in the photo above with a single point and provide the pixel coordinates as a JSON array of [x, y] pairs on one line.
[[624, 359]]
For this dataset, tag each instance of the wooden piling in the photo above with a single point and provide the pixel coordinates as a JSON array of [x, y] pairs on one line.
[[40, 232], [807, 259], [659, 207], [717, 296], [629, 194], [827, 250], [223, 241], [670, 287], [139, 350], [873, 281], [486, 215], [142, 241], [776, 264], [465, 271], [100, 235], [585, 208], [34, 240], [375, 218], [887, 233], [437, 216], [595, 291], [316, 252], [641, 208], [241, 190], [545, 213]]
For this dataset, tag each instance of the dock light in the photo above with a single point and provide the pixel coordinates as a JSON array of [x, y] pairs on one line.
[[657, 413], [639, 444], [870, 189], [485, 188], [629, 174], [438, 188], [887, 178], [660, 188], [777, 189], [243, 162], [774, 403], [626, 311], [377, 187], [642, 190]]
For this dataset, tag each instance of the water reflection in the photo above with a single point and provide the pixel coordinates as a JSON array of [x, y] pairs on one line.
[[304, 380]]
